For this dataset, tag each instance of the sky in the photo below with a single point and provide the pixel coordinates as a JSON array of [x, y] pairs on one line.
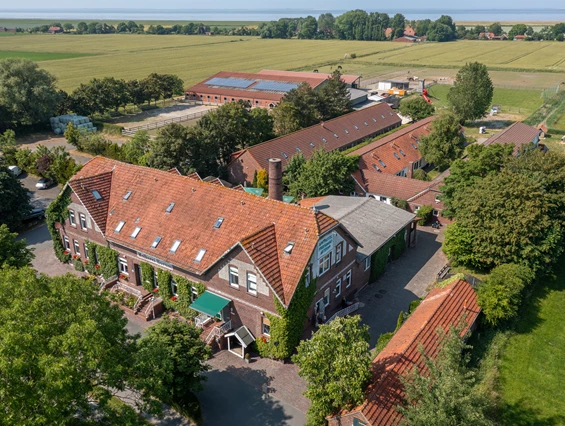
[[278, 4]]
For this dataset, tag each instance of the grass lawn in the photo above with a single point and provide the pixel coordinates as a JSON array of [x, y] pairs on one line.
[[533, 363], [515, 101], [40, 56]]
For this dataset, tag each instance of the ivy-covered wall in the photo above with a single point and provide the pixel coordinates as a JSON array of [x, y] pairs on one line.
[[58, 212], [108, 260], [92, 265], [164, 282], [287, 328], [147, 276], [184, 299], [379, 259]]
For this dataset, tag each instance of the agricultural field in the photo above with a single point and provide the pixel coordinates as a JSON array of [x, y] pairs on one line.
[[519, 102], [533, 363], [194, 58], [41, 56]]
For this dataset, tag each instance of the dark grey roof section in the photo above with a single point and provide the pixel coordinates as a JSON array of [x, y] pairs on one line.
[[371, 222], [243, 335]]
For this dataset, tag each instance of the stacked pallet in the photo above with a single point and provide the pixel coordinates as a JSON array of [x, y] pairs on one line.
[[59, 124]]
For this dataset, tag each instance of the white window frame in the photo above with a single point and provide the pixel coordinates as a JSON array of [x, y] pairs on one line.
[[338, 288], [324, 264], [383, 199], [233, 272], [249, 282], [193, 293], [338, 253], [72, 219], [308, 277], [123, 266], [435, 213], [367, 262], [82, 219], [347, 279], [326, 298], [263, 325], [85, 251], [174, 288], [67, 243], [76, 246]]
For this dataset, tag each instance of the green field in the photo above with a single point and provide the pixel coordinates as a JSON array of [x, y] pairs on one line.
[[533, 364], [194, 58], [41, 56], [522, 102]]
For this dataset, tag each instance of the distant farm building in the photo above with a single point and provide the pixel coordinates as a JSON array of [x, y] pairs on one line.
[[55, 30], [264, 89], [7, 30], [409, 32], [492, 36]]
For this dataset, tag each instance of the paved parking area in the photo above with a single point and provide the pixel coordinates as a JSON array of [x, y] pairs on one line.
[[405, 280]]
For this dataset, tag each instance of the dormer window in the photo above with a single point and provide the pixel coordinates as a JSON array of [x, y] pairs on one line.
[[175, 246], [218, 223], [156, 242], [119, 227], [128, 194], [200, 255], [135, 232], [96, 195], [289, 247], [170, 208]]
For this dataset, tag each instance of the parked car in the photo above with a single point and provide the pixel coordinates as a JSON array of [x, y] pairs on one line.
[[37, 213], [16, 171], [44, 183]]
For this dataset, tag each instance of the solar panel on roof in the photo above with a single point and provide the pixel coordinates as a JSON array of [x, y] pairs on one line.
[[275, 86], [240, 83]]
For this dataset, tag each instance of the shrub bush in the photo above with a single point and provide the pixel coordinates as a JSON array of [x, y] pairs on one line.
[[413, 305], [401, 204], [420, 174], [425, 214], [383, 341], [78, 265], [112, 129]]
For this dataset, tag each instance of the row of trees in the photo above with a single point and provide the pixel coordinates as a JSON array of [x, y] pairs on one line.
[[131, 27], [555, 32]]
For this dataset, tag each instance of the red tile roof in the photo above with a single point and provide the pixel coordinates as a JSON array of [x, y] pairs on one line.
[[518, 134], [443, 307], [348, 128], [248, 220], [348, 79], [249, 92], [396, 150]]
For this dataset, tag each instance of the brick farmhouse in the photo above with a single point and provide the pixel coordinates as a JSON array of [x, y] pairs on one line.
[[251, 253]]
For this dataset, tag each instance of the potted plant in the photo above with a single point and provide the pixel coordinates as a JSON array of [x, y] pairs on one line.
[[246, 357]]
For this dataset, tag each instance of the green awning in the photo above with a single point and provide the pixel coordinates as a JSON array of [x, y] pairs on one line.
[[209, 304], [254, 191], [288, 198]]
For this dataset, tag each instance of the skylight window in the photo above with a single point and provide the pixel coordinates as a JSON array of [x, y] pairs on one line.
[[156, 242], [170, 208], [135, 232], [312, 145], [200, 255], [402, 153], [382, 116], [414, 146], [96, 195], [128, 194], [284, 155], [356, 128], [396, 156], [390, 113], [175, 246], [335, 135], [119, 227], [365, 123], [346, 131], [382, 163], [298, 149], [418, 141], [324, 140], [374, 119], [218, 223], [289, 247], [376, 168]]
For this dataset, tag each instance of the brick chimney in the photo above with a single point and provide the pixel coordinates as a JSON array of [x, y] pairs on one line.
[[275, 179], [411, 170]]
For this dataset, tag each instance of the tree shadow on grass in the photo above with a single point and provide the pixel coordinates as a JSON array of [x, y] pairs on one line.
[[519, 415], [240, 396]]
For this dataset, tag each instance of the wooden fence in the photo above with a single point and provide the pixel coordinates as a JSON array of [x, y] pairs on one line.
[[131, 131]]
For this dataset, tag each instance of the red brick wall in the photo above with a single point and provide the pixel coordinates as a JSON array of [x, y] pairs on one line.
[[214, 98], [242, 170]]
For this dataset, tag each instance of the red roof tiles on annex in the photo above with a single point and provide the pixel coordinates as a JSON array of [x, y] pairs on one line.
[[442, 308], [518, 134], [197, 206]]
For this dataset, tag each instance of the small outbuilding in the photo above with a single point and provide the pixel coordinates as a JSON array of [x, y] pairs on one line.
[[55, 30], [386, 85], [240, 338]]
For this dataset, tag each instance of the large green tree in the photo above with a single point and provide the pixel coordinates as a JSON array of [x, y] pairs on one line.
[[445, 143], [27, 94], [333, 98], [13, 252], [324, 173], [472, 92], [286, 119], [14, 199], [447, 393], [514, 216], [305, 100], [416, 108], [336, 365]]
